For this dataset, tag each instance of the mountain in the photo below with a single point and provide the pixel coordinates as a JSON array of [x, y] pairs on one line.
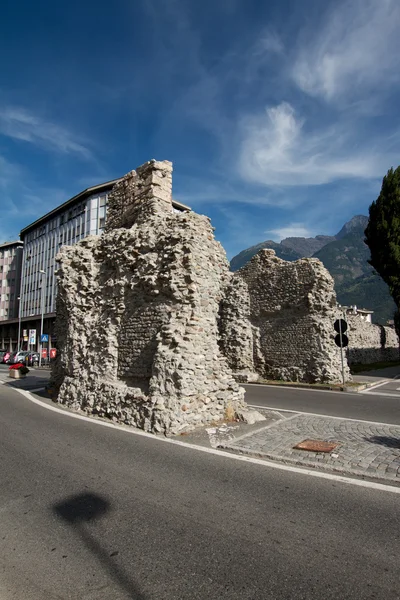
[[356, 225], [346, 258], [368, 291], [345, 255], [307, 246], [283, 252]]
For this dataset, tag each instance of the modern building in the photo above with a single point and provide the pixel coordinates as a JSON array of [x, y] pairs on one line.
[[82, 215], [10, 276]]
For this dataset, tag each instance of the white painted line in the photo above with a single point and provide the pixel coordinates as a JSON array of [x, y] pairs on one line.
[[394, 395], [299, 412], [298, 389], [374, 386], [256, 461]]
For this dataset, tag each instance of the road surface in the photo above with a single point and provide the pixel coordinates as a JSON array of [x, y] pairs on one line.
[[370, 406], [89, 512]]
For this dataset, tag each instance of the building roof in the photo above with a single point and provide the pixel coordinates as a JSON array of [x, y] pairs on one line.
[[15, 243], [87, 192]]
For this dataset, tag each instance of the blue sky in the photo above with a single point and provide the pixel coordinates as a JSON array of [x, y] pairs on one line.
[[281, 117]]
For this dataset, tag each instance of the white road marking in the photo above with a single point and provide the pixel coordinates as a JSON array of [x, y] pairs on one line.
[[393, 395], [221, 453], [300, 412], [376, 385], [300, 389]]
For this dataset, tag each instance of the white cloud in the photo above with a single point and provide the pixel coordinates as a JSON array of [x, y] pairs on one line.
[[353, 51], [17, 123], [291, 230], [271, 42], [9, 172], [277, 149]]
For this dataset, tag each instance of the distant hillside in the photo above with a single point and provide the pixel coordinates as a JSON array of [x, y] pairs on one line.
[[345, 255], [307, 246], [243, 257], [368, 291], [346, 258]]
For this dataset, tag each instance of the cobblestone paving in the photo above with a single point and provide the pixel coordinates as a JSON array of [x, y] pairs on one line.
[[366, 449]]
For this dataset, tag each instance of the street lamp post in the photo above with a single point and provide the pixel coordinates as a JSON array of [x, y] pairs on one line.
[[20, 303], [42, 316], [19, 324]]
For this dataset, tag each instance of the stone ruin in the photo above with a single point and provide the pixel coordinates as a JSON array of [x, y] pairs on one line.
[[154, 331], [277, 321], [137, 314]]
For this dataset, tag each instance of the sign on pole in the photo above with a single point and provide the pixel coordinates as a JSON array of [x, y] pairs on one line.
[[341, 340], [53, 353], [44, 352], [32, 337], [44, 337]]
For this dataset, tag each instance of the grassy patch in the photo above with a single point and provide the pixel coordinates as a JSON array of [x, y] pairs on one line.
[[358, 368]]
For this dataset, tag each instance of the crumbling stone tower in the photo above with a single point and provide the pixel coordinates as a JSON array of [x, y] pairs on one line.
[[137, 314]]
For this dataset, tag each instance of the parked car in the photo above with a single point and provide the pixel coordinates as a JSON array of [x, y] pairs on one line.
[[2, 354], [33, 359], [7, 358], [18, 356]]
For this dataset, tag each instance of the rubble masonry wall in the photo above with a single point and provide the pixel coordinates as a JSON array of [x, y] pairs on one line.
[[284, 312], [137, 314], [370, 343]]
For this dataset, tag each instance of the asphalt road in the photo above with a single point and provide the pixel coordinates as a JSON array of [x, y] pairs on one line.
[[369, 407], [89, 512]]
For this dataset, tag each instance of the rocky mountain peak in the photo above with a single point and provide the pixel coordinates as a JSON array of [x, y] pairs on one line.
[[356, 225]]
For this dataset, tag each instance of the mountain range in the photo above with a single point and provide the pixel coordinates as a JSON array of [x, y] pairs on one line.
[[345, 255]]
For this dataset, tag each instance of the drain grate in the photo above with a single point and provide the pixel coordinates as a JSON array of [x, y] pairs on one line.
[[316, 446]]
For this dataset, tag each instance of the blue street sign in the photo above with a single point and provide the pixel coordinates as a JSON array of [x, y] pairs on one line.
[[44, 337]]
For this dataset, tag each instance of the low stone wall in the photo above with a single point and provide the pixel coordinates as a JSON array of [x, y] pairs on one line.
[[277, 321], [137, 314], [370, 343]]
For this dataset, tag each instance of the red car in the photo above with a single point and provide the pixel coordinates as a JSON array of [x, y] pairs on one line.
[[5, 356]]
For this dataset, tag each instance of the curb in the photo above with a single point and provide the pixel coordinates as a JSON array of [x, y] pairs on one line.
[[317, 467], [310, 386]]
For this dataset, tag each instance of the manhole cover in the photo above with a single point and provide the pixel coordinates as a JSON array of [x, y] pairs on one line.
[[316, 446]]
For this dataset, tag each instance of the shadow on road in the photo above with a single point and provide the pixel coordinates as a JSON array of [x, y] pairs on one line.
[[78, 510], [383, 440]]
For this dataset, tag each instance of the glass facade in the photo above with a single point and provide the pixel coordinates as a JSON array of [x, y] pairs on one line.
[[10, 270], [41, 245]]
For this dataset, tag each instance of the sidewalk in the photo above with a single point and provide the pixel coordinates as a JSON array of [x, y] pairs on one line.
[[36, 378], [364, 449]]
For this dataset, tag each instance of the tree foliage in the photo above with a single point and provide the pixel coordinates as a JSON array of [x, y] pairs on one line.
[[382, 234]]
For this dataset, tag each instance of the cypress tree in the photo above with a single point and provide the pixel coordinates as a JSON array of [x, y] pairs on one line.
[[382, 234]]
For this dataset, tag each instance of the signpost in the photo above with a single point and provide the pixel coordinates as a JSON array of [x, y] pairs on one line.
[[341, 340], [32, 337]]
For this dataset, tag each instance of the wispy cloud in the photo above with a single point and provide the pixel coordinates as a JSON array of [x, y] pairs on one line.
[[279, 149], [19, 124], [355, 50], [270, 42], [9, 172], [291, 230]]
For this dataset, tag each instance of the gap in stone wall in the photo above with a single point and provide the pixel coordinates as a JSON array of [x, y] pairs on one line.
[[137, 339]]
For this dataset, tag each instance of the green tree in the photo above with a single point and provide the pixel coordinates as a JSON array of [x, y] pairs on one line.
[[382, 234]]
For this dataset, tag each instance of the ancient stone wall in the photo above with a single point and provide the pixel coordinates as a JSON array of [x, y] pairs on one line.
[[277, 321], [370, 343], [137, 314]]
